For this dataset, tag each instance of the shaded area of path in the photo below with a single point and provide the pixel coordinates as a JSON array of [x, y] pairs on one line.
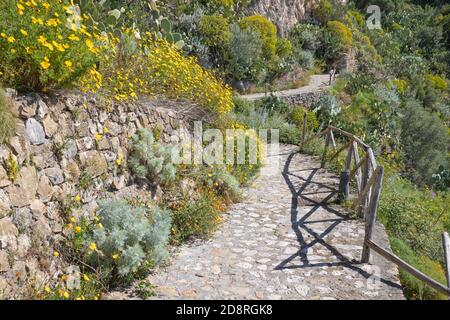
[[286, 240], [317, 83]]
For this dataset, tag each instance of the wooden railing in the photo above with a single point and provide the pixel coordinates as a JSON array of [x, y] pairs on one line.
[[361, 168]]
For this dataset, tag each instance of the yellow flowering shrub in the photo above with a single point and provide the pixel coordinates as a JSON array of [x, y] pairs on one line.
[[141, 66], [44, 44]]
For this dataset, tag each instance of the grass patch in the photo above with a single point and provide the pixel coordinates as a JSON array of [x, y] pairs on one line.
[[414, 288]]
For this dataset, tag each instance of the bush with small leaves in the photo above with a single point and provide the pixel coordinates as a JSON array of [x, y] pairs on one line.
[[150, 160], [272, 104], [129, 236]]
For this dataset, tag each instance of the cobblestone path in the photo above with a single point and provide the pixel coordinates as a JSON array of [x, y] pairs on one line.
[[286, 240]]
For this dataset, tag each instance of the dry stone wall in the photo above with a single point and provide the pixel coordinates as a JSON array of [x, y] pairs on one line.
[[66, 146]]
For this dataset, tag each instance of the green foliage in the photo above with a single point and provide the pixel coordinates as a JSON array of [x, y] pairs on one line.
[[266, 30], [272, 104], [304, 58], [11, 167], [129, 236], [323, 11], [306, 37], [7, 119], [413, 287], [425, 142], [245, 54], [297, 117], [38, 51], [327, 108], [284, 48], [415, 216], [341, 33], [151, 160], [242, 105], [215, 31], [195, 218]]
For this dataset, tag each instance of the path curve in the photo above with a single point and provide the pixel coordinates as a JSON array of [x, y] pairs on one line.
[[286, 240], [317, 83]]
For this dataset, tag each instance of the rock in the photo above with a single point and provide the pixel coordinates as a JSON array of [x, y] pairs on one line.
[[50, 126], [4, 181], [94, 163], [8, 232], [4, 263], [38, 208], [22, 218], [24, 190], [119, 183], [5, 204], [72, 171], [44, 189], [55, 175], [28, 111], [302, 290], [42, 109], [35, 132], [23, 245], [71, 149]]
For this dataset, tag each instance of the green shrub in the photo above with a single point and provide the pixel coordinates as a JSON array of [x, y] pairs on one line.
[[304, 58], [242, 105], [7, 119], [413, 287], [290, 133], [272, 104], [414, 216], [195, 218], [298, 114], [266, 30], [306, 37], [284, 48], [244, 60], [128, 237], [341, 32], [215, 30], [425, 141], [323, 11], [151, 160], [327, 107], [225, 184]]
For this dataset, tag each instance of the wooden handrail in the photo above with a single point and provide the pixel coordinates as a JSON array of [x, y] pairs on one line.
[[369, 180]]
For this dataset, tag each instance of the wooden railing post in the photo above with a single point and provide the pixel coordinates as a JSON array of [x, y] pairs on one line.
[[446, 244], [325, 151], [344, 182], [372, 214], [362, 211], [304, 129]]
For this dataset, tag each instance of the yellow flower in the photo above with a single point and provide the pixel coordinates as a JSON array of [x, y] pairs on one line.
[[11, 39], [98, 137], [115, 256], [77, 229], [105, 130], [56, 254], [47, 289], [3, 35], [72, 219], [13, 51], [45, 65], [92, 246], [69, 226], [24, 32], [77, 197], [45, 5], [73, 37], [66, 295], [100, 226]]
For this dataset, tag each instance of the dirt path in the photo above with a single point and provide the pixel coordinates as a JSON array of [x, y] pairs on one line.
[[286, 240], [316, 83]]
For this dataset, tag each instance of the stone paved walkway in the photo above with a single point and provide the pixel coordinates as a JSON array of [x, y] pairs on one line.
[[286, 240]]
